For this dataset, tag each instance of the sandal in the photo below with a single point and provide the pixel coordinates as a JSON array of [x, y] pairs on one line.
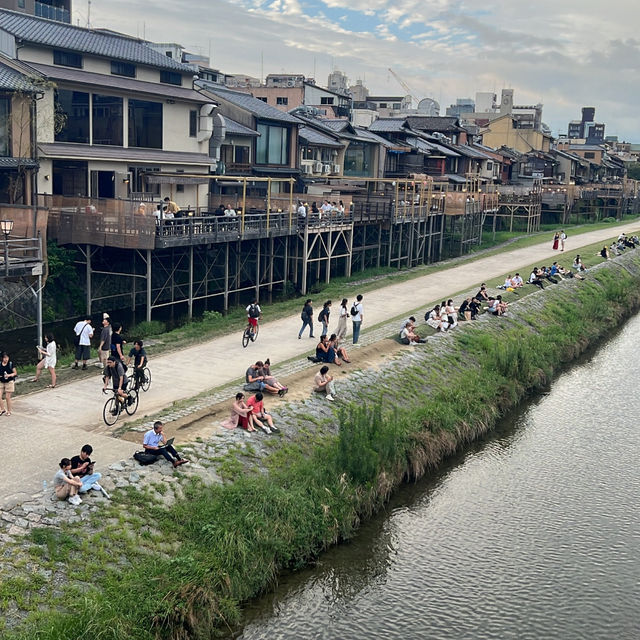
[[2, 412], [51, 386], [8, 413]]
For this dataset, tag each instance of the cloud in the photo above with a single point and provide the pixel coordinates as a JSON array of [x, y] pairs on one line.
[[561, 53]]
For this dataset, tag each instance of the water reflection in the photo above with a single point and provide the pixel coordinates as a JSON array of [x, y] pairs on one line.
[[533, 533]]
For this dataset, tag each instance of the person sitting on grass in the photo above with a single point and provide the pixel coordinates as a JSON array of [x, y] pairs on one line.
[[464, 310], [258, 414], [326, 353], [155, 443], [240, 415], [272, 380], [451, 314], [436, 320], [482, 293], [535, 279], [578, 265], [324, 383], [341, 352], [65, 485], [409, 336], [517, 281], [82, 468], [496, 306], [475, 308], [604, 253], [256, 380]]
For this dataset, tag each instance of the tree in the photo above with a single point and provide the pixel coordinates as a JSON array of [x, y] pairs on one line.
[[633, 170]]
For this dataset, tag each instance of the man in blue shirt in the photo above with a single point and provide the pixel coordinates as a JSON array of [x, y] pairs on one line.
[[156, 444]]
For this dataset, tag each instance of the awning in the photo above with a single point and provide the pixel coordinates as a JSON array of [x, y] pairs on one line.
[[277, 171], [161, 178], [18, 163], [454, 178]]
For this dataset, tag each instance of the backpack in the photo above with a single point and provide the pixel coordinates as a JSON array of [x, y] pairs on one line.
[[253, 311], [354, 310], [322, 316], [144, 458]]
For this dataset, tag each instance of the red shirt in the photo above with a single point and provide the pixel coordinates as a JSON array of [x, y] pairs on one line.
[[258, 405]]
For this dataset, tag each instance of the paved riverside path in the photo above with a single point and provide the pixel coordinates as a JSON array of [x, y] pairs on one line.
[[48, 425]]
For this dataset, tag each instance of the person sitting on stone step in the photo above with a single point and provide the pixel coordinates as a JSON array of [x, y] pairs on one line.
[[259, 414], [155, 443], [82, 468]]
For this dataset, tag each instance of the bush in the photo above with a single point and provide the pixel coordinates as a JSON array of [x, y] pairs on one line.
[[144, 329], [212, 317]]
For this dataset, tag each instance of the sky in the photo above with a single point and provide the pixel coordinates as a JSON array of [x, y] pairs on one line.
[[563, 53]]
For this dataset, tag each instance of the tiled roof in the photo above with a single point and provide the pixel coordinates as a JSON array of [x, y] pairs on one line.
[[105, 152], [313, 136], [335, 124], [77, 76], [388, 125], [50, 33], [368, 136], [236, 129], [247, 102], [12, 80], [434, 123], [14, 163]]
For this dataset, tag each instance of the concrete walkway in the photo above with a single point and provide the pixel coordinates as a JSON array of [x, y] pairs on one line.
[[49, 425]]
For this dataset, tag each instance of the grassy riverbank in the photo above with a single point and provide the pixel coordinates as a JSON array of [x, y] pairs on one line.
[[141, 571]]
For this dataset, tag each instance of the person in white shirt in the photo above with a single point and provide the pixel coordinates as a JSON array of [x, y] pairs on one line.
[[82, 341], [517, 281], [230, 212], [49, 360], [357, 318], [343, 314]]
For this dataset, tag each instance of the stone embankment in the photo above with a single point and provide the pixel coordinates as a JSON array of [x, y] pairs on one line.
[[399, 383]]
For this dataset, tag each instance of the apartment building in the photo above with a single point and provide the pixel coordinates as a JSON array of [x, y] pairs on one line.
[[116, 118]]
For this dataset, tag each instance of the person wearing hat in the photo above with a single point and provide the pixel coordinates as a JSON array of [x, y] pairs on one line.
[[105, 340]]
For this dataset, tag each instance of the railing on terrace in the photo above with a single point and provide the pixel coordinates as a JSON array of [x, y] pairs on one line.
[[19, 256]]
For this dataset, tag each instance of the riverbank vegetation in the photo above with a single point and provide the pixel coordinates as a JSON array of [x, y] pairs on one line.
[[144, 571]]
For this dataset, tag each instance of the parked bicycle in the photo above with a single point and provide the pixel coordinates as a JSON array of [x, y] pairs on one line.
[[114, 406]]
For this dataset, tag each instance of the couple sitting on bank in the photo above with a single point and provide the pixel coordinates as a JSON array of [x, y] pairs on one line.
[[76, 475], [247, 415], [408, 333], [258, 378], [329, 350]]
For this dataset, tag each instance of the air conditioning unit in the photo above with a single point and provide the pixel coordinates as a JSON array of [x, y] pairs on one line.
[[326, 168], [317, 167], [307, 168], [336, 168]]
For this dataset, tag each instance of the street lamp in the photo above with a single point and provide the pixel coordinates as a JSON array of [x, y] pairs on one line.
[[6, 226]]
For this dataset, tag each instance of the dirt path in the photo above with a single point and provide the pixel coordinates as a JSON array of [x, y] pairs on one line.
[[47, 426]]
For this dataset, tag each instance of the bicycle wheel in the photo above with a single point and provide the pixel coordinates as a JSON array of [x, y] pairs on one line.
[[246, 336], [146, 381], [131, 403], [111, 411], [254, 333]]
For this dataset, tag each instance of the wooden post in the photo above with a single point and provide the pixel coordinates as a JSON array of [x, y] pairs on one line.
[[148, 285]]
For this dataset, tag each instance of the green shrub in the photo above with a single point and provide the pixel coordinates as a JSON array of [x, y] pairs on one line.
[[148, 328]]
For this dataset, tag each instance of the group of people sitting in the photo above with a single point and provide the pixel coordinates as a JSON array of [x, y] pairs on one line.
[[619, 246], [75, 476], [258, 378], [331, 351]]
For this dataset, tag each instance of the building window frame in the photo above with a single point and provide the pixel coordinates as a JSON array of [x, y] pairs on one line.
[[193, 123], [125, 69], [143, 115], [282, 100], [62, 58], [171, 77], [273, 145]]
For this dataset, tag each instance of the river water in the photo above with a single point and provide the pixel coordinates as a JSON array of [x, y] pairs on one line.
[[532, 533]]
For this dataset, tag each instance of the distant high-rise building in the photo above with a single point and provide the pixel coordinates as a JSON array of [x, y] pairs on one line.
[[338, 82], [59, 10], [461, 107], [587, 129]]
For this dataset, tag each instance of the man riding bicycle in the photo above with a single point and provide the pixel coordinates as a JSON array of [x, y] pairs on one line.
[[115, 372], [254, 313], [139, 356]]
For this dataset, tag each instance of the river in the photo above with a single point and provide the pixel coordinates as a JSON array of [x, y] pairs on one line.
[[532, 533]]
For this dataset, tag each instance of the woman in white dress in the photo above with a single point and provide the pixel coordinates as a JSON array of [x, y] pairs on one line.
[[49, 360], [341, 329]]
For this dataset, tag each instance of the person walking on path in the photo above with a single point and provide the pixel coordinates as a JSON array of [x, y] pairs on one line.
[[357, 318], [49, 360], [556, 241], [341, 329], [8, 375], [307, 318], [82, 341], [323, 317], [104, 348], [563, 237]]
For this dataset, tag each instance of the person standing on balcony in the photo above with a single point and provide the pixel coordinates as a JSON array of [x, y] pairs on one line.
[[170, 207], [82, 341]]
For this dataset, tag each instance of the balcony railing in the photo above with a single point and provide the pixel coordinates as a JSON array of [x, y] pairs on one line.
[[60, 14]]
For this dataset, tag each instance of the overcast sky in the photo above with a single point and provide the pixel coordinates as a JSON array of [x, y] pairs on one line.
[[563, 53]]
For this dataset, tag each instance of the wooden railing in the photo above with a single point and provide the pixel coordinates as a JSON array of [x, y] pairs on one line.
[[19, 256]]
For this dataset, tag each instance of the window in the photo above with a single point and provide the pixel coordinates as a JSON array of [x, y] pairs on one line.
[[20, 4], [171, 77], [589, 155], [308, 153], [145, 124], [123, 69], [67, 59], [326, 100], [282, 100], [5, 129], [193, 123], [241, 155], [397, 106], [489, 166], [383, 105], [180, 188], [272, 147], [106, 114], [69, 177], [357, 160], [73, 106], [263, 99], [139, 183]]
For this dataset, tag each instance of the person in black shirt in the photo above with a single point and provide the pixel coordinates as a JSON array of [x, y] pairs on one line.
[[307, 318], [117, 342], [115, 372], [475, 307], [82, 468], [8, 375], [139, 356]]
